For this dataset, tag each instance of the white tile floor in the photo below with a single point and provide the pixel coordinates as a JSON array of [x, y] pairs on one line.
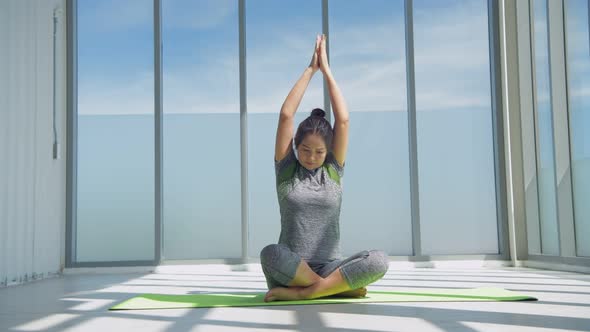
[[79, 302]]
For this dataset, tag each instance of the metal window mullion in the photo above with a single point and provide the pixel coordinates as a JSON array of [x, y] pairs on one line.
[[72, 131], [547, 3], [504, 218], [567, 92], [536, 117], [412, 134], [527, 128], [158, 119], [560, 130], [243, 129], [326, 31]]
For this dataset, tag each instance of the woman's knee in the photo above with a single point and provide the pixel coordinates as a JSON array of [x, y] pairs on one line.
[[270, 254], [380, 261], [371, 268], [279, 263]]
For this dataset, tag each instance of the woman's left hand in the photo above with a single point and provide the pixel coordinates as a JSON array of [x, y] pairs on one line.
[[323, 60], [314, 64]]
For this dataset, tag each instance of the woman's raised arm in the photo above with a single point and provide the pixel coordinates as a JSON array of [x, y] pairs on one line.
[[341, 116], [290, 105]]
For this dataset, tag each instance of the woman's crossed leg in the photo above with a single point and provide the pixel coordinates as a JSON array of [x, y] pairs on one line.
[[291, 278]]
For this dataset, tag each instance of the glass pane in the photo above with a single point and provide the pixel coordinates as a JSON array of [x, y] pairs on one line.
[[202, 190], [115, 219], [367, 54], [578, 61], [543, 114], [454, 126], [279, 48]]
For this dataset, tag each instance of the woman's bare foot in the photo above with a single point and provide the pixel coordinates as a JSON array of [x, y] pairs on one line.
[[284, 294], [359, 292]]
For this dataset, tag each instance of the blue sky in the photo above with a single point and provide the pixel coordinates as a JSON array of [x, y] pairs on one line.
[[201, 54], [367, 54]]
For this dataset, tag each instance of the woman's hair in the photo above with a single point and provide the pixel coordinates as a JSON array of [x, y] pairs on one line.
[[316, 123]]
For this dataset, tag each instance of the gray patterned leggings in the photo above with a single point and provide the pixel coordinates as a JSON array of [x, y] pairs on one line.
[[279, 265]]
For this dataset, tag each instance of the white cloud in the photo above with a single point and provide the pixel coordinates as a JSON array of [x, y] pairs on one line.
[[456, 66], [451, 58], [581, 92], [200, 14], [116, 15], [577, 38], [132, 96]]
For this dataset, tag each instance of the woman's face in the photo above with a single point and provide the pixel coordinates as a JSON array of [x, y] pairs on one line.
[[312, 151]]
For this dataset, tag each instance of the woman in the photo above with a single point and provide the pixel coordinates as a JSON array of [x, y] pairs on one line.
[[306, 263]]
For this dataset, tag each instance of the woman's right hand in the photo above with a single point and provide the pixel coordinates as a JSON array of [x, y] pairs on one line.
[[323, 56], [315, 64]]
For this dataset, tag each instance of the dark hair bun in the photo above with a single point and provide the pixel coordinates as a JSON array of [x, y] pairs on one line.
[[318, 112]]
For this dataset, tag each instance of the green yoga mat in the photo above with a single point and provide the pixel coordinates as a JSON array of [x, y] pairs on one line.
[[166, 301]]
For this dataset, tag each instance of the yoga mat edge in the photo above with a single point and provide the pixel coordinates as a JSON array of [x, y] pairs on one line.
[[210, 300]]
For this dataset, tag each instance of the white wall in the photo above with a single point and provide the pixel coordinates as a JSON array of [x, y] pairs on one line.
[[32, 183]]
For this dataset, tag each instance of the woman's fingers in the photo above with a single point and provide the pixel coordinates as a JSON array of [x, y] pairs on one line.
[[323, 56], [315, 63], [318, 42], [323, 46]]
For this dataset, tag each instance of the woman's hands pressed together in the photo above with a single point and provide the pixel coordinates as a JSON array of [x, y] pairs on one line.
[[315, 64], [319, 60], [323, 56]]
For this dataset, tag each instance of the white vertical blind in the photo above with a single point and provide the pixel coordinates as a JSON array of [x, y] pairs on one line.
[[32, 183]]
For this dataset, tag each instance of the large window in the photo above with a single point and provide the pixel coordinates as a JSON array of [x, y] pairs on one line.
[[279, 48], [202, 148], [201, 153], [368, 58], [454, 127], [115, 216], [578, 60], [544, 130]]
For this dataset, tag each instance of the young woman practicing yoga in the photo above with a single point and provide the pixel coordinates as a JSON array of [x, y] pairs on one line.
[[306, 263]]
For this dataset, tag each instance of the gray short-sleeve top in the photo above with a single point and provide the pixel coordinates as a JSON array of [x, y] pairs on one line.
[[310, 204]]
